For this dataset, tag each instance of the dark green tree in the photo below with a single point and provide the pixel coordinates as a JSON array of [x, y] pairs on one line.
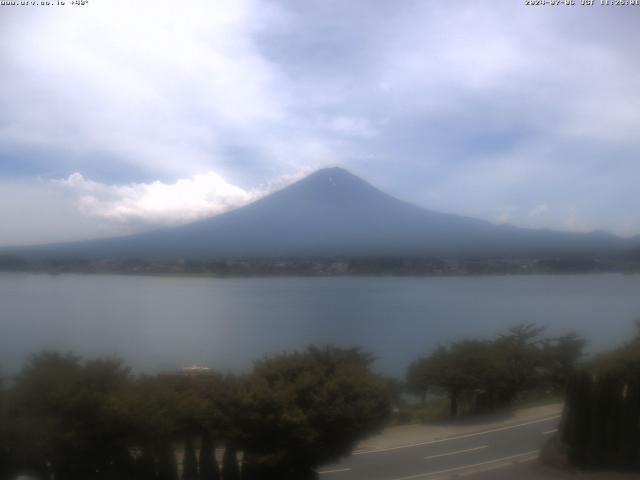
[[167, 467], [151, 414], [576, 421], [144, 463], [67, 417], [466, 369], [6, 459], [521, 353], [230, 468], [601, 422], [629, 452], [208, 465], [190, 461], [308, 408]]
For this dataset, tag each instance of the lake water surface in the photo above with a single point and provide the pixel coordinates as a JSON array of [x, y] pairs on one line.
[[158, 323]]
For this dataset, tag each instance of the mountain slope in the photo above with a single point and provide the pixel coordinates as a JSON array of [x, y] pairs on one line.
[[332, 212]]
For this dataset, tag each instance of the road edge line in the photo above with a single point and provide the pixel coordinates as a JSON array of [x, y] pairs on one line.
[[457, 437]]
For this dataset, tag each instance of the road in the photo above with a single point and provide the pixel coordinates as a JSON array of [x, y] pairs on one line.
[[505, 448]]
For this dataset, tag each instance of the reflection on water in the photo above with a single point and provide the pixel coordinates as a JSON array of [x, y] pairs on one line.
[[159, 323]]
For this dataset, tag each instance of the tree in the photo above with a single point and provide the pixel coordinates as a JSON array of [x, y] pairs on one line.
[[230, 469], [91, 420], [466, 368], [190, 461], [67, 420], [421, 376], [601, 421], [559, 358], [167, 468], [307, 408], [151, 413], [5, 440], [208, 465], [520, 348], [489, 374], [577, 417]]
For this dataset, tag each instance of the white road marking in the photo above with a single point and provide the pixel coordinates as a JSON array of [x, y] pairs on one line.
[[459, 437], [496, 466], [337, 470], [457, 452], [549, 432], [467, 467]]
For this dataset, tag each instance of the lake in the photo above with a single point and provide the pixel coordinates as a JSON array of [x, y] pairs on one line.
[[160, 323]]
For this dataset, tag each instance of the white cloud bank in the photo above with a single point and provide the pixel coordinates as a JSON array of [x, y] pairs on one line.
[[78, 208], [152, 87], [157, 203]]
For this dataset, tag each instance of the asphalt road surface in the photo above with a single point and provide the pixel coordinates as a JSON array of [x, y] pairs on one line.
[[500, 451]]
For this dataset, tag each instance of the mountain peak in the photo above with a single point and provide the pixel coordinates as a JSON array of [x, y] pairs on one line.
[[332, 171], [333, 174], [333, 182]]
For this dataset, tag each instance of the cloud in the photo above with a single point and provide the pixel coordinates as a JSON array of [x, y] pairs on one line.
[[353, 126], [78, 208], [157, 203], [150, 86], [505, 214], [463, 110], [575, 223], [38, 212], [164, 204], [538, 210]]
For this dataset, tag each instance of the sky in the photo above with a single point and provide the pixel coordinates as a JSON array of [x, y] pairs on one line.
[[118, 117]]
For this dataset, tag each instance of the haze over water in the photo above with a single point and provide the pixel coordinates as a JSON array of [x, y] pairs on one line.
[[158, 323]]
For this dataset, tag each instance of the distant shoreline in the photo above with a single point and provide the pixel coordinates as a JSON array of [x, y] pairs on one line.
[[378, 266], [169, 274]]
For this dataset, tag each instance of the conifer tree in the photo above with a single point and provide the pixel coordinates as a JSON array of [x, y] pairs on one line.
[[576, 422], [167, 468], [208, 464], [190, 462], [230, 468]]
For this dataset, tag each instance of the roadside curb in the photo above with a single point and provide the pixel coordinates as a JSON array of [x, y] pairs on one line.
[[555, 412]]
